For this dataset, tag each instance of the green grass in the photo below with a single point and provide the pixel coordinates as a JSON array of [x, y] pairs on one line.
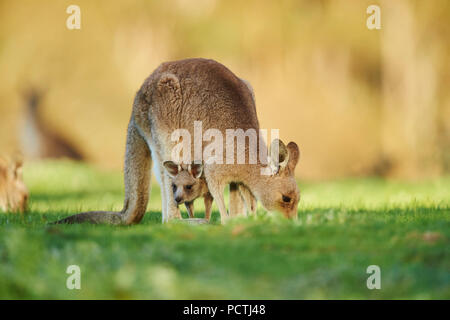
[[343, 227]]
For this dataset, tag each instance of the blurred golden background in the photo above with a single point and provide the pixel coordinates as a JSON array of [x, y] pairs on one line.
[[356, 101]]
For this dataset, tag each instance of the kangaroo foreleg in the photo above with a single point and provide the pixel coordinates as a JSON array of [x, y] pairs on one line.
[[236, 205], [190, 208], [216, 190], [208, 199], [248, 198]]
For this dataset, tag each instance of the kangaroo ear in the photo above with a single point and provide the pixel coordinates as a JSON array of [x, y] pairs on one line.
[[294, 155], [3, 167], [279, 154], [171, 167], [17, 168], [169, 88], [196, 170]]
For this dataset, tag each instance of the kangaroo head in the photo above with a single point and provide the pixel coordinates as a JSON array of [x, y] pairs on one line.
[[279, 191], [13, 192], [187, 181]]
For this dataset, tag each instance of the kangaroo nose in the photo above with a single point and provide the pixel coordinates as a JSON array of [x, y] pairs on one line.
[[178, 199]]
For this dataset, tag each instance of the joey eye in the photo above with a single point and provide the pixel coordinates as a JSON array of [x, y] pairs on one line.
[[188, 187], [286, 199], [174, 187]]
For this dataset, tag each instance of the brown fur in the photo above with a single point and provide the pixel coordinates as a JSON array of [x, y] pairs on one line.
[[174, 96], [13, 192]]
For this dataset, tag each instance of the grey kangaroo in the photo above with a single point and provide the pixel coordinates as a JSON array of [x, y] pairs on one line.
[[175, 95]]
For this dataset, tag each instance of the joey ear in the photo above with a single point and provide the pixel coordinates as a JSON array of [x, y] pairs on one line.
[[196, 170], [279, 154], [171, 167], [294, 155]]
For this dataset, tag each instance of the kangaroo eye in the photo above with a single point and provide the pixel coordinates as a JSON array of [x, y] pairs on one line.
[[189, 187], [286, 199], [174, 187]]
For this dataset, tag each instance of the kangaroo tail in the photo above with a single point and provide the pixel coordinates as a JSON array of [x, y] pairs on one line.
[[94, 217], [137, 185]]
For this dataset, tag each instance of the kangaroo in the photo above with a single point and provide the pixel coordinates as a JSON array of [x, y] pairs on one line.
[[188, 184], [175, 95], [38, 141], [13, 192]]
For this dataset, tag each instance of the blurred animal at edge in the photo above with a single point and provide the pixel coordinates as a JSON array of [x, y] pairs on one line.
[[13, 192], [37, 139]]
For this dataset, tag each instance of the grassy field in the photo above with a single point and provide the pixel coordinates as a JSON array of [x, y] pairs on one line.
[[343, 227]]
